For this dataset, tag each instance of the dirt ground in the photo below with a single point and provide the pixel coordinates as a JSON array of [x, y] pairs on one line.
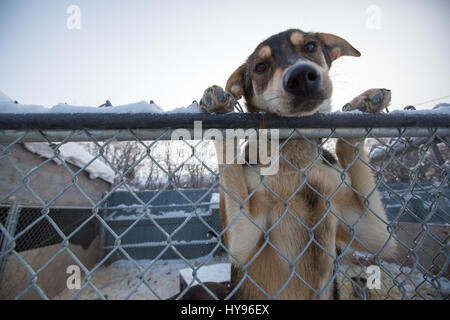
[[52, 278]]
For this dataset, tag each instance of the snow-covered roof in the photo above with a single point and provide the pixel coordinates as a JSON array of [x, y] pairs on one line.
[[137, 107], [4, 98], [137, 211], [76, 154], [73, 152], [215, 200]]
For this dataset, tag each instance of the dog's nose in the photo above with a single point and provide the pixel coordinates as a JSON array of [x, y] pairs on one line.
[[301, 79]]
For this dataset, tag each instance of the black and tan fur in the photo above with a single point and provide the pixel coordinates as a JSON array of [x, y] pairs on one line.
[[287, 75]]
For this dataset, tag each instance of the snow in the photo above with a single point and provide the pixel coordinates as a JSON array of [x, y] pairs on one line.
[[215, 197], [215, 200], [216, 273], [411, 281], [76, 154], [442, 108], [444, 284], [137, 211], [122, 277], [436, 111], [4, 97], [193, 108], [355, 111], [165, 243], [138, 107], [164, 215], [8, 106], [73, 152]]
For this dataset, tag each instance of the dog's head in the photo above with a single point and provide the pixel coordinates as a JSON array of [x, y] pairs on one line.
[[287, 74]]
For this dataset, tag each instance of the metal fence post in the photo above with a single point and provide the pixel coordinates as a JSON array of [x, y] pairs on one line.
[[11, 224], [102, 232]]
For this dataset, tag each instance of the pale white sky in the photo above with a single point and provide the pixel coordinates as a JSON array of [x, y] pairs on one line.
[[170, 51]]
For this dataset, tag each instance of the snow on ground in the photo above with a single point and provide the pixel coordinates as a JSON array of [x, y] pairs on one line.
[[76, 154], [220, 272], [121, 278], [397, 282]]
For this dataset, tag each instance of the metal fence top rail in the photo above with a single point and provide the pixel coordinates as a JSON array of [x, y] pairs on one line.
[[105, 121], [35, 127]]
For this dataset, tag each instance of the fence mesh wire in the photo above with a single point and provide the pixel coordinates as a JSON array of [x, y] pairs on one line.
[[410, 169]]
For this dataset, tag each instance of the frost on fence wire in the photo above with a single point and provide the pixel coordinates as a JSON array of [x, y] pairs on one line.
[[140, 219]]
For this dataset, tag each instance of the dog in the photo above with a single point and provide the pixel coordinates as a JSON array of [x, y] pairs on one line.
[[287, 75]]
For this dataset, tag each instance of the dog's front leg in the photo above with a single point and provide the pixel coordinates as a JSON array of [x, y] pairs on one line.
[[243, 227], [365, 200]]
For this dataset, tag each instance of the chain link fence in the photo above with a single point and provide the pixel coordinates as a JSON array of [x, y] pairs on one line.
[[408, 155]]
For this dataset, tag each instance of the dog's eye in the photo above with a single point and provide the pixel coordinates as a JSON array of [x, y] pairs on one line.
[[310, 47], [261, 67]]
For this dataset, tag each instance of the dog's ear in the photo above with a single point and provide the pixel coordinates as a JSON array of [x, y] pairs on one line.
[[337, 47], [235, 83]]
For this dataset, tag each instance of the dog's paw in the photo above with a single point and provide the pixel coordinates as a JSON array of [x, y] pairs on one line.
[[216, 100], [372, 100]]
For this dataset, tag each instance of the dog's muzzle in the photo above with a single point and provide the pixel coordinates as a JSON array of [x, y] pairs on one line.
[[302, 81]]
